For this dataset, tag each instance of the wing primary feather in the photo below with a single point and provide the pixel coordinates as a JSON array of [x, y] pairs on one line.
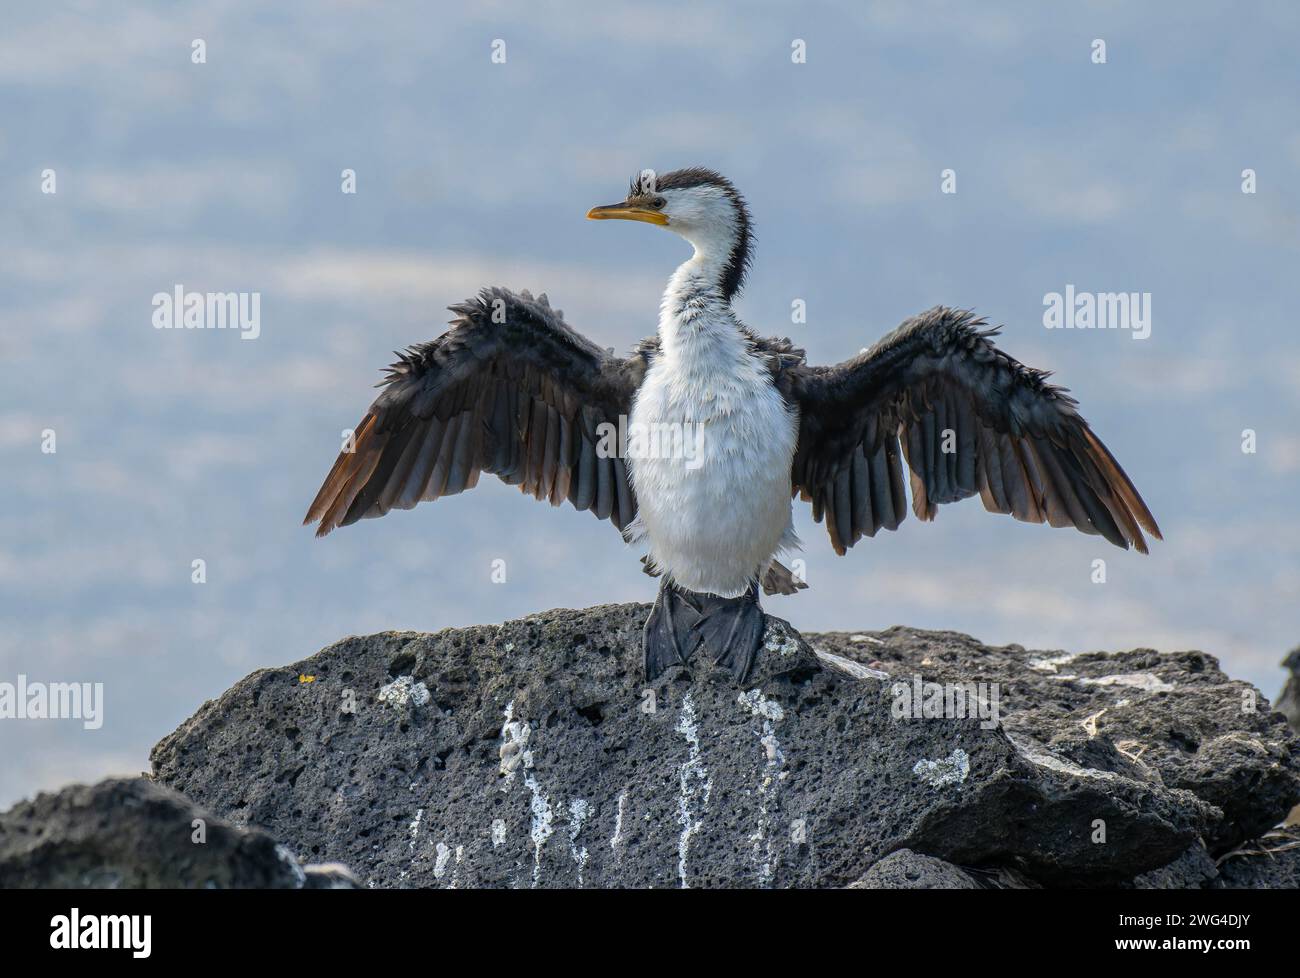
[[563, 481], [338, 475], [896, 489], [1057, 497], [604, 488], [967, 448], [586, 480], [368, 459], [929, 471], [462, 456], [1097, 478], [442, 467], [622, 494], [1033, 478], [537, 448], [550, 452], [844, 506], [882, 500], [914, 447], [397, 480], [1121, 483], [991, 464], [863, 523], [390, 453], [502, 427], [1020, 490], [943, 460], [423, 467], [1098, 512]]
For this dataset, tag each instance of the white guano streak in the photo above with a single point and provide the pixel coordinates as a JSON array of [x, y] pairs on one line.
[[691, 770], [769, 712], [516, 756]]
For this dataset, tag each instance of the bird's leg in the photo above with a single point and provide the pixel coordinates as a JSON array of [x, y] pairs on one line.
[[668, 638], [731, 630]]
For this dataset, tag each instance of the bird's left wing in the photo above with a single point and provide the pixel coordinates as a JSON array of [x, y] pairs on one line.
[[510, 389], [970, 419]]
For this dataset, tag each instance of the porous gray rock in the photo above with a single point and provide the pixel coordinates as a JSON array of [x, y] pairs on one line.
[[1193, 870], [904, 869], [1271, 862], [130, 833], [908, 870], [1171, 718], [533, 754]]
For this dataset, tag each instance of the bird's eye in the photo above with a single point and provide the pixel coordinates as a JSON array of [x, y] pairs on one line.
[[658, 203]]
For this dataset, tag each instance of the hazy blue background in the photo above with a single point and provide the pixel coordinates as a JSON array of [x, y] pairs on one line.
[[176, 445]]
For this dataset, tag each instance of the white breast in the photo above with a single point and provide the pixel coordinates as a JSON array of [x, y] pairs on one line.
[[713, 519]]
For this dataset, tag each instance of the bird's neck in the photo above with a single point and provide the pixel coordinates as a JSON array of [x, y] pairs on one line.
[[695, 315]]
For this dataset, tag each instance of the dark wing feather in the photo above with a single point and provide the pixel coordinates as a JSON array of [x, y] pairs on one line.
[[510, 389], [969, 419]]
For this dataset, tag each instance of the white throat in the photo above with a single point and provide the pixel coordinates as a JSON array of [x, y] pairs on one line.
[[694, 313]]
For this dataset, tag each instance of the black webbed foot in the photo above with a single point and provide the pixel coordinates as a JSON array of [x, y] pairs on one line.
[[730, 630], [668, 639]]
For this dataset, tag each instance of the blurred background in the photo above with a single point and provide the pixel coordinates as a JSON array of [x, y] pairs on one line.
[[177, 445]]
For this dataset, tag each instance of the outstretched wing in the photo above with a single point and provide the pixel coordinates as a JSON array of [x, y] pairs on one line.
[[510, 389], [970, 420]]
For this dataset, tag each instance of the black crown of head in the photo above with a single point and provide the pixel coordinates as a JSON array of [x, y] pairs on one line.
[[644, 183], [650, 182]]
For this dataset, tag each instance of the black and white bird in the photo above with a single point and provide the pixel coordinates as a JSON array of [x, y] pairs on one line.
[[513, 390]]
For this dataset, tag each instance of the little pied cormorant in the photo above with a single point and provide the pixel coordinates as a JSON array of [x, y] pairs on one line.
[[513, 390]]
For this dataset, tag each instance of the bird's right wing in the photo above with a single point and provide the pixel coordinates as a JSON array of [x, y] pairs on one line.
[[970, 419], [510, 389]]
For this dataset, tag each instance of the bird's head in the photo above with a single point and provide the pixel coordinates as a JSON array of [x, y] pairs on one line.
[[700, 205]]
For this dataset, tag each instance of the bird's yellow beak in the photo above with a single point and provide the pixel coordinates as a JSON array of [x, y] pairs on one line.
[[626, 212]]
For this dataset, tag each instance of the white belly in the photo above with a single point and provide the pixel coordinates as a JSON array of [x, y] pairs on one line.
[[714, 514]]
